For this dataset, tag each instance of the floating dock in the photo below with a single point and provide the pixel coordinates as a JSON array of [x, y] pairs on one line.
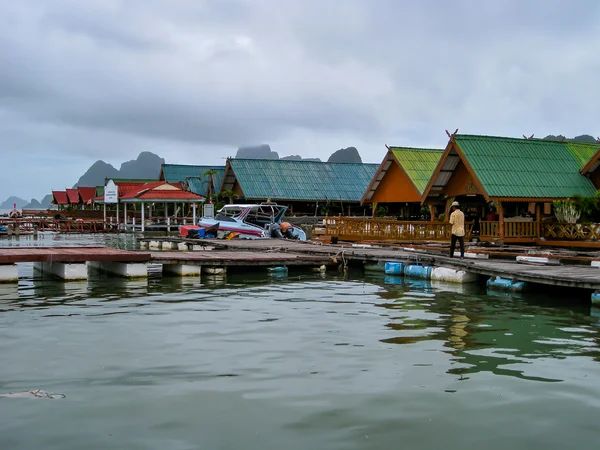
[[186, 257]]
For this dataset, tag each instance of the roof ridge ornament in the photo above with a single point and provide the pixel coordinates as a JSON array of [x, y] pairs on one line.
[[528, 138], [451, 136]]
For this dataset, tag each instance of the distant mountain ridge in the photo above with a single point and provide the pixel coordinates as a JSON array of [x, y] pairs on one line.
[[146, 165], [344, 155]]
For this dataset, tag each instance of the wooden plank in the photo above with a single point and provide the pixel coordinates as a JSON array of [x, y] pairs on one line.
[[69, 254]]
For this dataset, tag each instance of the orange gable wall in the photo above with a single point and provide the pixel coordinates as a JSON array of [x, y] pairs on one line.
[[595, 177], [395, 187], [461, 182]]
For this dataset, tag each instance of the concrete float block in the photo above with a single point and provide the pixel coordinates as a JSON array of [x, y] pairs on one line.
[[125, 270], [167, 245], [9, 273], [472, 255], [154, 245], [144, 245], [213, 280], [538, 260], [64, 271], [198, 248], [214, 270], [182, 270], [418, 272], [595, 264], [504, 284], [182, 247], [452, 275]]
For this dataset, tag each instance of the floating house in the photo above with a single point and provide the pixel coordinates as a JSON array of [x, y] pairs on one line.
[[150, 202], [74, 198], [508, 180], [194, 178], [308, 187], [400, 181]]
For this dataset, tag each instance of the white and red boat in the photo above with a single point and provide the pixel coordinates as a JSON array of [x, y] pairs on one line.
[[258, 221]]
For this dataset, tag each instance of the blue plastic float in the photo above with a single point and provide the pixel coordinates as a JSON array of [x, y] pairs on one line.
[[394, 268], [417, 271], [504, 284]]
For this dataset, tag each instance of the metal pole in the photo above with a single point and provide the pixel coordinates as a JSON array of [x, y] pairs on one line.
[[194, 214], [105, 213], [125, 214], [143, 221]]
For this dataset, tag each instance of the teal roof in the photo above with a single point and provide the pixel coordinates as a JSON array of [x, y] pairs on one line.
[[418, 163], [533, 168], [301, 180], [193, 175]]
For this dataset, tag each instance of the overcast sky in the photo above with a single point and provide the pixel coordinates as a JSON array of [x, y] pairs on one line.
[[193, 80]]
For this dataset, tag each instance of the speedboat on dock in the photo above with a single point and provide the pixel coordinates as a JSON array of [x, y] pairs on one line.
[[258, 221]]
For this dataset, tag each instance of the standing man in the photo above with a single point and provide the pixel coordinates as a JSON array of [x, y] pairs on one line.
[[457, 220]]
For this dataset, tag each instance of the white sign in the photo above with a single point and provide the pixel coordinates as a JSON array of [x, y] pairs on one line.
[[111, 192], [209, 210]]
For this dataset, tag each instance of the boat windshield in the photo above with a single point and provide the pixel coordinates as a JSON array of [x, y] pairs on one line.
[[229, 213]]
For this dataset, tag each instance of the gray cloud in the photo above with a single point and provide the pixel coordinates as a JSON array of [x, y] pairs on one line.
[[192, 80]]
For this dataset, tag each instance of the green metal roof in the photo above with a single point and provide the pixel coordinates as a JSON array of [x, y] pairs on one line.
[[418, 163], [194, 176], [302, 180], [535, 168]]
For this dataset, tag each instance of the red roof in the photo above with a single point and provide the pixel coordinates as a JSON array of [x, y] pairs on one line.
[[87, 193], [60, 197], [73, 195], [152, 191]]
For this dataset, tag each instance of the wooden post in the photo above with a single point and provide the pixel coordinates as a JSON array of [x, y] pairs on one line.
[[500, 220], [374, 204], [538, 220], [432, 212], [447, 210]]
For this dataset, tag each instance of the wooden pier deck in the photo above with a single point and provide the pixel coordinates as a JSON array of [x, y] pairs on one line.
[[11, 255], [581, 275], [226, 258]]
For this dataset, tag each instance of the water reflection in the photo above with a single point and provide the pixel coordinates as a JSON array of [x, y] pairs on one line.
[[499, 333]]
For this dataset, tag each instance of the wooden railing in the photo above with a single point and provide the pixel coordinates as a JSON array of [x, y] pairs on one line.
[[489, 229], [349, 228], [355, 229], [571, 232], [520, 229]]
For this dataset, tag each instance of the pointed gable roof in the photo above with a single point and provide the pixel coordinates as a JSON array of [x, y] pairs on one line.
[[592, 164], [73, 196], [87, 194], [517, 168], [60, 198], [416, 164]]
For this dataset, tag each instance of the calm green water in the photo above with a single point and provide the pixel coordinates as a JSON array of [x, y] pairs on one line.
[[305, 362]]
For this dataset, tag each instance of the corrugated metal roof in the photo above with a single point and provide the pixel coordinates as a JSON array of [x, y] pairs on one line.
[[60, 198], [73, 195], [180, 173], [87, 193], [301, 180], [418, 163], [511, 167]]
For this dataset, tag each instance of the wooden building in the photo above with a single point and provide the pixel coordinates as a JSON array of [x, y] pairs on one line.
[[399, 183], [508, 180]]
